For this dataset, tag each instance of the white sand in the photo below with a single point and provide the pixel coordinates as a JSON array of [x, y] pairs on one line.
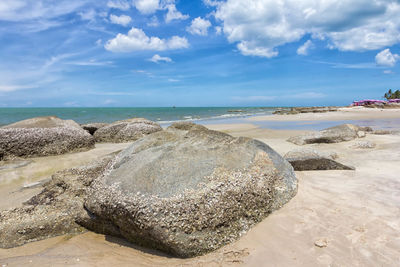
[[355, 213]]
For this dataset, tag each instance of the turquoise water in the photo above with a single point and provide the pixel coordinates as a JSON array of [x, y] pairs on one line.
[[161, 115]]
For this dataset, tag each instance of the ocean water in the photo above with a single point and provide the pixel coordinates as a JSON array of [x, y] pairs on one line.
[[164, 116]]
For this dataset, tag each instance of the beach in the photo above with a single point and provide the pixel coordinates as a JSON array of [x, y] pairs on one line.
[[337, 218]]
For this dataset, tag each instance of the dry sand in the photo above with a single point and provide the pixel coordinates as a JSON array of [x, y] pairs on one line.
[[353, 215], [347, 113]]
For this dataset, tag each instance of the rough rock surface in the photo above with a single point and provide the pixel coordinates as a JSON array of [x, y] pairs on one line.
[[55, 211], [363, 145], [126, 131], [93, 127], [341, 133], [311, 159], [189, 190], [297, 110], [43, 136]]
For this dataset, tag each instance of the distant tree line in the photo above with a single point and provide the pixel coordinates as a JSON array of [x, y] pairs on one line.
[[392, 95]]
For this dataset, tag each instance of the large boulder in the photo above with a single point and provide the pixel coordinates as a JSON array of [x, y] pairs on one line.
[[313, 160], [189, 190], [126, 130], [341, 133], [43, 136]]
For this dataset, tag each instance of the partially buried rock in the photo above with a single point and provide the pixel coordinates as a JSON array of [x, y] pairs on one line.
[[364, 145], [126, 130], [341, 133], [93, 127], [189, 190], [55, 211], [312, 160], [43, 136]]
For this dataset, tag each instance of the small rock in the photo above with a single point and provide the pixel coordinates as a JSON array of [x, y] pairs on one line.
[[321, 243], [363, 145], [310, 159], [361, 134]]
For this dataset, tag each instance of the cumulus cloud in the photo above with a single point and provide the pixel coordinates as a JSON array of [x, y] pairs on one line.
[[258, 27], [303, 50], [211, 2], [147, 6], [119, 4], [137, 40], [157, 58], [386, 58], [123, 20], [174, 14], [199, 26]]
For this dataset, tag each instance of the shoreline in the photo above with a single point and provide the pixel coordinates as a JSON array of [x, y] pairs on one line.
[[356, 212]]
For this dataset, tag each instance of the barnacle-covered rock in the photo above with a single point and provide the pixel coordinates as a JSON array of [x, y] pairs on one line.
[[43, 136], [55, 211], [189, 190], [337, 134], [126, 130]]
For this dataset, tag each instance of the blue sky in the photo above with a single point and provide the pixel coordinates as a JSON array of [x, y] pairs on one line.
[[69, 53]]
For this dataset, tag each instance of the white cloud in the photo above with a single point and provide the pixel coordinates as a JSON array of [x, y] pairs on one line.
[[21, 10], [388, 72], [258, 27], [303, 50], [91, 62], [157, 58], [249, 49], [173, 80], [123, 20], [137, 40], [153, 22], [211, 2], [147, 6], [174, 14], [218, 30], [11, 88], [386, 58], [88, 15], [119, 4], [199, 26]]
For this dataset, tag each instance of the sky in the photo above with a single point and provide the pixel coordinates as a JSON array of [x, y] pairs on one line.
[[149, 53]]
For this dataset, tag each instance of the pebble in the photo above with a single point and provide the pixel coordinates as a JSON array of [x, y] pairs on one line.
[[321, 243]]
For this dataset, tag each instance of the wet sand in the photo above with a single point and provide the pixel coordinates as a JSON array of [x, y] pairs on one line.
[[355, 215]]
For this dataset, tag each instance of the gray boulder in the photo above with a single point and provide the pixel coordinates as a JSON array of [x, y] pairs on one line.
[[189, 190], [341, 133], [126, 130], [311, 160], [93, 127], [43, 136]]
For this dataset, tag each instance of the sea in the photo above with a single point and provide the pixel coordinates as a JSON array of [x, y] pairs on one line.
[[162, 115]]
